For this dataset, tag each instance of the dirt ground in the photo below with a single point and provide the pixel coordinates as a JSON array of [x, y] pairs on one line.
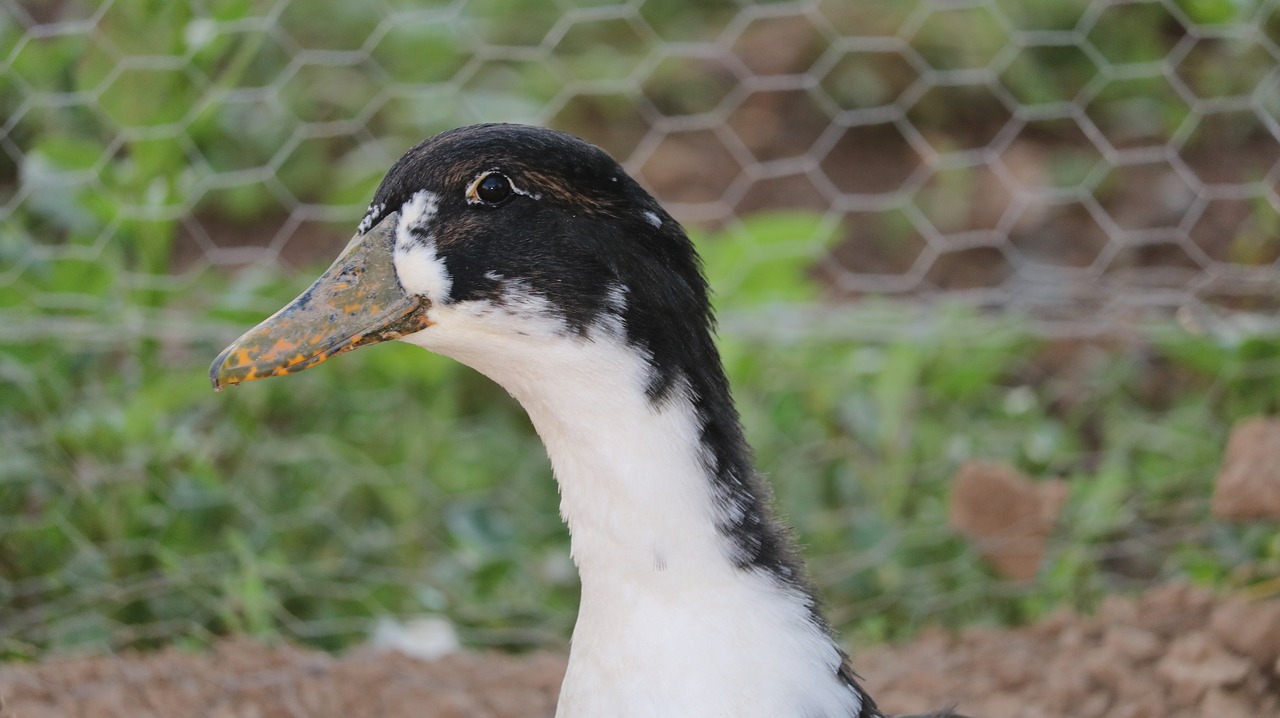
[[1175, 651]]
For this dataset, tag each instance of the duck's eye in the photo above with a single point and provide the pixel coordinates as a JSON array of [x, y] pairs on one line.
[[490, 189]]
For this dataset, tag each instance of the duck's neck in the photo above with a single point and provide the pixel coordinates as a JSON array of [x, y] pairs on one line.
[[690, 602]]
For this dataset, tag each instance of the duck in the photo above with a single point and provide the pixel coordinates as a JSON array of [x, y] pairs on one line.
[[531, 256]]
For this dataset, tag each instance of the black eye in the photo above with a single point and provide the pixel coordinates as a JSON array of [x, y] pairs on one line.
[[493, 188]]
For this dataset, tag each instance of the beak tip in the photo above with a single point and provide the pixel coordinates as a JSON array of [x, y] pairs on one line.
[[219, 377]]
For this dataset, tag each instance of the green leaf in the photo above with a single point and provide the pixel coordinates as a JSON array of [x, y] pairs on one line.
[[765, 258], [1217, 12]]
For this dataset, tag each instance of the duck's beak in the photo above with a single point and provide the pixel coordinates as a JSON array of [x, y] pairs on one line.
[[357, 301]]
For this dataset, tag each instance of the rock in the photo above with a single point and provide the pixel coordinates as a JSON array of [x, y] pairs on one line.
[[1168, 610], [425, 637], [1146, 706], [1248, 487], [1196, 662], [1094, 705], [1134, 643], [1249, 628], [1006, 515], [1002, 707], [1116, 609], [1226, 704]]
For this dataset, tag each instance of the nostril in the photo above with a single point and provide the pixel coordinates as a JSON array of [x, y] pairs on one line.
[[350, 273]]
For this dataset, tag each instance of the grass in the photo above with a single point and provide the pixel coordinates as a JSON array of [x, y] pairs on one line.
[[140, 508]]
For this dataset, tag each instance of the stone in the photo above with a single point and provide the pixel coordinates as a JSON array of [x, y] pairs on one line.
[[1248, 486], [1006, 515]]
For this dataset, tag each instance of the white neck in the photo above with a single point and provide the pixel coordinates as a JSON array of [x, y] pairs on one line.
[[668, 625]]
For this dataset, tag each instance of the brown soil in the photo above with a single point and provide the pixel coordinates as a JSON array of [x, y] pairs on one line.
[[1173, 652]]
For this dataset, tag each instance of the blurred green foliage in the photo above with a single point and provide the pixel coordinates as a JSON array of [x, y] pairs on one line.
[[140, 507], [136, 508]]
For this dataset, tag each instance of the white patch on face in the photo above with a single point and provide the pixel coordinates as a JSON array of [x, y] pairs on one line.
[[366, 223], [417, 214], [653, 218], [419, 268]]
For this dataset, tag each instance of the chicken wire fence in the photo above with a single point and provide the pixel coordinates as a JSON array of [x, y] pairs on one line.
[[164, 166]]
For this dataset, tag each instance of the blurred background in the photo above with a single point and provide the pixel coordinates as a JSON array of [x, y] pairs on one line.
[[996, 279]]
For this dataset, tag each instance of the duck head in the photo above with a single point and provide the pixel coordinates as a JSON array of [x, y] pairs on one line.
[[482, 239]]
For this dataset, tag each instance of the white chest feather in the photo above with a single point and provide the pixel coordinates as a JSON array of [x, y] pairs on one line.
[[668, 625]]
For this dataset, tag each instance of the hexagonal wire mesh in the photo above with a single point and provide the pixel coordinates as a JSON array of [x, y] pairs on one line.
[[1080, 162]]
